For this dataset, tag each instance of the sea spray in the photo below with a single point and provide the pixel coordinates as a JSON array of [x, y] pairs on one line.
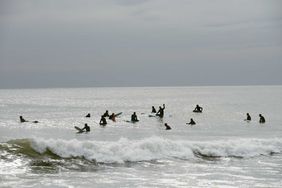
[[154, 148]]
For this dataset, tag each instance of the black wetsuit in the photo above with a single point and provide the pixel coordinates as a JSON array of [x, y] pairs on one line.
[[103, 121], [22, 120], [153, 109], [261, 120], [86, 127], [160, 113], [248, 117], [134, 118], [167, 127], [192, 122]]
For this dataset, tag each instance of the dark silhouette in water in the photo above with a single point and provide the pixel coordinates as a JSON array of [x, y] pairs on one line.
[[167, 127], [88, 115], [106, 114], [261, 119], [86, 128], [134, 117], [248, 117], [103, 121], [22, 120], [198, 109], [113, 117], [192, 122], [160, 113], [154, 110]]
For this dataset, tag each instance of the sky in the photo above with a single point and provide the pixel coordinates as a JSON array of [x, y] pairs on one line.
[[113, 43]]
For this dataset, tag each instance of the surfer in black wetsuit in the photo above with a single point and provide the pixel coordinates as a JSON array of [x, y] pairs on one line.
[[248, 117], [22, 120], [167, 127], [134, 117], [106, 114], [261, 119], [160, 113], [154, 110], [198, 109], [86, 128], [113, 117], [88, 115], [192, 122], [103, 121]]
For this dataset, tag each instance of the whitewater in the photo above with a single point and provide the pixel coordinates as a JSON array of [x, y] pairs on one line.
[[221, 150]]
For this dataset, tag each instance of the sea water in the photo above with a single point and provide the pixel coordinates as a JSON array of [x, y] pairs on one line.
[[221, 150]]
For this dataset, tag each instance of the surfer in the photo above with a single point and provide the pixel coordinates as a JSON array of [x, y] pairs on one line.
[[198, 109], [192, 122], [154, 110], [248, 117], [106, 114], [103, 121], [22, 120], [134, 117], [167, 127], [86, 128], [261, 119], [160, 113], [113, 117], [88, 115]]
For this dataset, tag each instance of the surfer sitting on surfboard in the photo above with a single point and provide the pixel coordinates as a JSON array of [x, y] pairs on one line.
[[22, 120], [192, 122], [113, 117], [167, 127], [154, 110], [106, 114], [261, 119], [198, 109], [86, 128], [134, 117], [88, 115], [248, 117], [103, 121]]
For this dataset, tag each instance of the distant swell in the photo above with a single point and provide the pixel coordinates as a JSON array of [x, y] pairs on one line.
[[148, 149]]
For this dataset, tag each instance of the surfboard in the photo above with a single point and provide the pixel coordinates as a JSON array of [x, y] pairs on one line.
[[128, 121], [79, 129], [118, 114], [152, 116], [197, 111]]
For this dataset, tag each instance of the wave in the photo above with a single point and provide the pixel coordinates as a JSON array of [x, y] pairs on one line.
[[148, 149]]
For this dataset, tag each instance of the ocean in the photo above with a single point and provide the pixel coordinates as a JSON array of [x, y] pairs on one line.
[[221, 150]]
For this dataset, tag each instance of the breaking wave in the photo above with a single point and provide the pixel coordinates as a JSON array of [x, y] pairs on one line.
[[148, 149]]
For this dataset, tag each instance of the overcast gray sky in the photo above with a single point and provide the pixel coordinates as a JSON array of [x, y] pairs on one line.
[[82, 43]]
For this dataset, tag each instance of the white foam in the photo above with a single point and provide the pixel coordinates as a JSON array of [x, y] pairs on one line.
[[156, 148]]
